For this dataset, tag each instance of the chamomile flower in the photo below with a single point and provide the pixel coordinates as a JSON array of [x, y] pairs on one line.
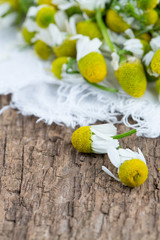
[[130, 75], [115, 22], [132, 168], [91, 62], [95, 139]]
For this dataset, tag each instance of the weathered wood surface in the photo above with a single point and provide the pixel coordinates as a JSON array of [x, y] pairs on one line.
[[48, 191]]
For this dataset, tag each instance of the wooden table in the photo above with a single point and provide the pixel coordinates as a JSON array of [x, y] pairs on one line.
[[49, 191]]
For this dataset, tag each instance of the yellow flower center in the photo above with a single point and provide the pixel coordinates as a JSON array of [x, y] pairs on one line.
[[27, 35], [42, 50], [115, 22], [89, 29], [73, 10], [133, 173], [66, 49], [147, 4], [132, 78], [45, 16], [93, 67], [155, 63], [57, 66], [150, 17], [81, 140]]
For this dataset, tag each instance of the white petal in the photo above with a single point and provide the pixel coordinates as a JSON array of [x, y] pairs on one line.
[[135, 46], [92, 4], [72, 23], [60, 19], [109, 173], [114, 157], [155, 43], [31, 25], [104, 130], [115, 61], [63, 4], [130, 33], [86, 46], [148, 58]]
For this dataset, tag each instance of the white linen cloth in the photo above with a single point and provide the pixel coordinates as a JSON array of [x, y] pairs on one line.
[[35, 91]]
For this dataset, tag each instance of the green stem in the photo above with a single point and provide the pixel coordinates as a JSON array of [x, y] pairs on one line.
[[148, 30], [104, 30], [102, 87], [125, 134]]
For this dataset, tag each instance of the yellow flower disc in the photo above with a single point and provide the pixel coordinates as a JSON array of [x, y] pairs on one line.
[[66, 49], [133, 173], [57, 66], [131, 77], [81, 140], [42, 50], [147, 4], [157, 87], [150, 17], [115, 22], [93, 67], [27, 35], [155, 63], [89, 29], [45, 16]]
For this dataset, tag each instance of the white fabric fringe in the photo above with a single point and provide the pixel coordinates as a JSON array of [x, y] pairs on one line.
[[36, 92]]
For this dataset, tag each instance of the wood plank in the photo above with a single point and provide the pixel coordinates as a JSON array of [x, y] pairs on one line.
[[50, 191]]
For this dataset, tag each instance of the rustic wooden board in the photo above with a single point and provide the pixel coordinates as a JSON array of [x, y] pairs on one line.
[[50, 191]]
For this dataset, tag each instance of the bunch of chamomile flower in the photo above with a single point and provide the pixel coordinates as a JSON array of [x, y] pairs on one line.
[[79, 37], [103, 139]]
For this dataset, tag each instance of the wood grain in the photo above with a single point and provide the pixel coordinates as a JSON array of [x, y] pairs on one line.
[[50, 191]]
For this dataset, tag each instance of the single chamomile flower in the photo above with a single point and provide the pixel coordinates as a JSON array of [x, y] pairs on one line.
[[130, 75], [115, 22], [95, 139], [91, 62], [132, 168]]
